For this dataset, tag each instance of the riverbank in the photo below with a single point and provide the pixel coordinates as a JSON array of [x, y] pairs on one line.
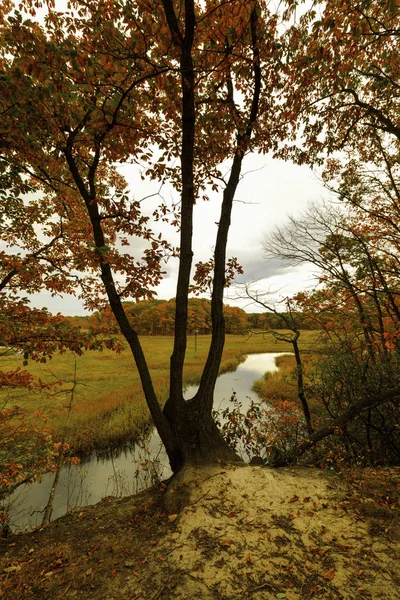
[[128, 470], [225, 532], [109, 405]]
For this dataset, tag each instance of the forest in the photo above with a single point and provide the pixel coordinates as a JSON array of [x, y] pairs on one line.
[[156, 317], [187, 90]]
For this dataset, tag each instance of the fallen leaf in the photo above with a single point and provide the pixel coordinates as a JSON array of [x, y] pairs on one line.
[[113, 573], [306, 499], [232, 514], [314, 590], [94, 549], [12, 569], [226, 543], [172, 518], [294, 499], [89, 571], [329, 574]]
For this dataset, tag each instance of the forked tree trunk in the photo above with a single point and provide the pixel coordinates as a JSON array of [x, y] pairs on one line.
[[191, 422], [186, 428], [197, 435]]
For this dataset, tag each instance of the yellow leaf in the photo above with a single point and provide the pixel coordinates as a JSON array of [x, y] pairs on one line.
[[172, 518], [11, 569]]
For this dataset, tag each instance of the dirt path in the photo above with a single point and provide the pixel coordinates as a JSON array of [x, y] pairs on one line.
[[226, 533]]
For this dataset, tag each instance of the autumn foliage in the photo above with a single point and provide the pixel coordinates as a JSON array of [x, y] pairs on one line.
[[181, 91], [26, 448]]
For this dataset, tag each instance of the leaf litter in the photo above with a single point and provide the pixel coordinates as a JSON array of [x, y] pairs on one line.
[[227, 533]]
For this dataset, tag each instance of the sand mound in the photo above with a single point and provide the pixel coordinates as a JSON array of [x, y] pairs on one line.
[[227, 533]]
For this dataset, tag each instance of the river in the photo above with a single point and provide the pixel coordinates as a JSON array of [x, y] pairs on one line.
[[128, 471]]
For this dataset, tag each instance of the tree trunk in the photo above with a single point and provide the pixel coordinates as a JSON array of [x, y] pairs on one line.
[[300, 383], [198, 438]]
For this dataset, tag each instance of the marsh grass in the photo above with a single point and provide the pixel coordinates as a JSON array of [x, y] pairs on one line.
[[278, 385], [282, 384], [110, 406]]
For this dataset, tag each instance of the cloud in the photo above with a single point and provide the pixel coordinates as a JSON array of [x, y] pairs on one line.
[[269, 191], [258, 267]]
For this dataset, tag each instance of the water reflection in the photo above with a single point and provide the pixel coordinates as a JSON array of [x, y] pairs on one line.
[[132, 469], [240, 381]]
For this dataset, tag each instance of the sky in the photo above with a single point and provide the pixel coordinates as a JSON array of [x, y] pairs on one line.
[[269, 191]]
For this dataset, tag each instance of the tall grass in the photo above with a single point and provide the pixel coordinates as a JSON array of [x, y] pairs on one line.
[[282, 384], [278, 385], [110, 405]]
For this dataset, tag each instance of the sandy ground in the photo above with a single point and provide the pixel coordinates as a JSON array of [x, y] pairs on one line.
[[228, 532]]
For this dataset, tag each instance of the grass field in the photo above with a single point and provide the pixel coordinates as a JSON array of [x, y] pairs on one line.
[[109, 405]]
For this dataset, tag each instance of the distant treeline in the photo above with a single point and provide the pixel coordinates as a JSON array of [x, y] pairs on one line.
[[156, 317]]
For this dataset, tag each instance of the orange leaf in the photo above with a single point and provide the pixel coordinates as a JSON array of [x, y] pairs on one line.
[[329, 574]]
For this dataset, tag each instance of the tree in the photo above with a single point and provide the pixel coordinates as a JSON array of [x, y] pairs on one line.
[[341, 70], [356, 304], [96, 85], [290, 321], [342, 67]]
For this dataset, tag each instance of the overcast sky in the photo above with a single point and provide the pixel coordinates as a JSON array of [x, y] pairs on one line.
[[269, 191]]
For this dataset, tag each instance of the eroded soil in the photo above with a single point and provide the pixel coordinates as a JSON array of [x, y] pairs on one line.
[[227, 532]]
